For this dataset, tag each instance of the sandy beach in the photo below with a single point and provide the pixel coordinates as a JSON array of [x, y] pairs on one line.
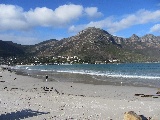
[[25, 97]]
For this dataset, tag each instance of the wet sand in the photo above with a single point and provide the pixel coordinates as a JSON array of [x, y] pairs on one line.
[[34, 98]]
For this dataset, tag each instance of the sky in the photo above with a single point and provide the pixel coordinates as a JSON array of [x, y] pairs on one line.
[[29, 22]]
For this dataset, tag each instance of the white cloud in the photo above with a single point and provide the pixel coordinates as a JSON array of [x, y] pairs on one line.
[[11, 17], [92, 12], [155, 28], [39, 16], [15, 18], [59, 17], [68, 12], [140, 17], [113, 25]]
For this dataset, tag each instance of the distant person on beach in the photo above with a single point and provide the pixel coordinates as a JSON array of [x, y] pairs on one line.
[[46, 77]]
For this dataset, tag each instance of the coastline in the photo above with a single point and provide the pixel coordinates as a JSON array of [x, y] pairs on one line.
[[138, 75], [69, 100], [85, 78]]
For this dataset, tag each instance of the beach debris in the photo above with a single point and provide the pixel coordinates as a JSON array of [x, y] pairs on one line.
[[5, 87], [158, 92], [47, 88], [131, 115], [153, 96], [138, 94], [147, 95], [57, 91], [14, 88], [2, 81], [149, 118], [35, 88], [82, 95]]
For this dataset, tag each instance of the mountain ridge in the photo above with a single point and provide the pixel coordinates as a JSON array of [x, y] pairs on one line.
[[95, 44], [8, 48]]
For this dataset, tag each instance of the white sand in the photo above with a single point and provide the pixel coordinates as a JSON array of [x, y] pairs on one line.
[[25, 97]]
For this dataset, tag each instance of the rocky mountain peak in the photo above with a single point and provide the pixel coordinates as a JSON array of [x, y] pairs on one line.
[[134, 36], [149, 38], [90, 35], [92, 30]]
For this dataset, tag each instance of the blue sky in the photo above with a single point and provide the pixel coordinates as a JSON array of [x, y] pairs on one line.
[[33, 21]]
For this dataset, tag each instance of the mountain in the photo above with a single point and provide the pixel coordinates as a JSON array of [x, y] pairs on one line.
[[90, 45], [148, 45], [8, 48], [44, 48]]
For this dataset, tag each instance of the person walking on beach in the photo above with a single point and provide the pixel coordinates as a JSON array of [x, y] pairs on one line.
[[46, 77]]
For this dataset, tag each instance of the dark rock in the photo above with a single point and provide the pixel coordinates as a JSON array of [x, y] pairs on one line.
[[2, 81], [138, 94], [147, 96], [158, 92]]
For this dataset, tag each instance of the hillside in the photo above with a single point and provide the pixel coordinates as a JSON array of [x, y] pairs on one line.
[[90, 45], [9, 48], [44, 48], [148, 45]]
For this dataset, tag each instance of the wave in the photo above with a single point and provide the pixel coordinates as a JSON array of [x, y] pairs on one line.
[[109, 74], [46, 70], [95, 72]]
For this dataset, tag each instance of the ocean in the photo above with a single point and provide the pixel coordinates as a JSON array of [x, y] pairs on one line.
[[133, 74]]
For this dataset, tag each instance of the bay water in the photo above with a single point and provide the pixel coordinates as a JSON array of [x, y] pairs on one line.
[[134, 74]]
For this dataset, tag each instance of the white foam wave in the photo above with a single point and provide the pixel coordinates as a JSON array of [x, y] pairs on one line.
[[109, 74], [46, 70], [95, 73]]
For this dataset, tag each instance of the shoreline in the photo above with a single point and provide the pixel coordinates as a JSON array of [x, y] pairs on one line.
[[69, 100], [85, 78]]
